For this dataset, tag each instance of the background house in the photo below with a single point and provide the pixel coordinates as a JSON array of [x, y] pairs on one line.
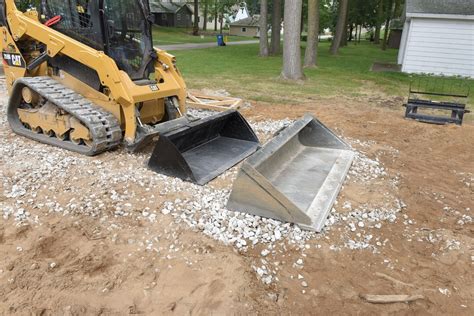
[[438, 37], [237, 12], [240, 12], [395, 35], [246, 27], [174, 14]]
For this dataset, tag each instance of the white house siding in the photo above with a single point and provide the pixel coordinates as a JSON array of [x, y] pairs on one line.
[[439, 46]]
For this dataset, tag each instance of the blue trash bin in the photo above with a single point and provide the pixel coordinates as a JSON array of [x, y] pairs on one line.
[[220, 40]]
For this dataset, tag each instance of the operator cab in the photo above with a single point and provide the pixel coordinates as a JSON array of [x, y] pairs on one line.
[[120, 28]]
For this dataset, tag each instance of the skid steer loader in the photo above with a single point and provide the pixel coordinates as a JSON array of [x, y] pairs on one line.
[[84, 75]]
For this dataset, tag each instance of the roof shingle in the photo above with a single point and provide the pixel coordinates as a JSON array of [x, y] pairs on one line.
[[166, 7], [456, 7], [251, 21]]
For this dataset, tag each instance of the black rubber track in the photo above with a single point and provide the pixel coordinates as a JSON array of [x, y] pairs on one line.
[[103, 126]]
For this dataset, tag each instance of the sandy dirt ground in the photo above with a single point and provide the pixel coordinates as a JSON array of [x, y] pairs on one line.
[[96, 260]]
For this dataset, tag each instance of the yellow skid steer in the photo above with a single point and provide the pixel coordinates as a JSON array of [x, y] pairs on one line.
[[83, 75]]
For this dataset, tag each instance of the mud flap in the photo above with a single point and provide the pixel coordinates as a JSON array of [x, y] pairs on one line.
[[201, 150], [296, 177]]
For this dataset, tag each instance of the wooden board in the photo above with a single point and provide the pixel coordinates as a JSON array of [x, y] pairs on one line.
[[212, 102]]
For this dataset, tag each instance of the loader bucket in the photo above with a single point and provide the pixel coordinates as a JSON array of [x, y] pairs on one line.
[[296, 177], [201, 150]]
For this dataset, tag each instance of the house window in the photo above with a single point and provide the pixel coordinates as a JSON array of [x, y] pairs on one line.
[[244, 29], [164, 16]]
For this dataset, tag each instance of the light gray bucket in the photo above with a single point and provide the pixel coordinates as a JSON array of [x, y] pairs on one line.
[[295, 177]]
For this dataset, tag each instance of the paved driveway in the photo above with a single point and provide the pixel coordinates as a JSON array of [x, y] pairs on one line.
[[188, 46]]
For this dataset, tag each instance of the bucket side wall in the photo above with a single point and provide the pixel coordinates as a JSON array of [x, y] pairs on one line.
[[316, 134]]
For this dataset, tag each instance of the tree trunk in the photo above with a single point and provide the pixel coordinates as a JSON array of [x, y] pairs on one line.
[[385, 35], [377, 34], [221, 23], [344, 35], [302, 22], [263, 28], [215, 16], [276, 28], [378, 25], [388, 11], [292, 68], [351, 32], [196, 18], [311, 53], [206, 12], [355, 36], [340, 26], [397, 10]]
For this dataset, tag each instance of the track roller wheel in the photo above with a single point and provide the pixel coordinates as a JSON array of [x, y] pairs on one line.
[[76, 141], [37, 130], [64, 136], [29, 96]]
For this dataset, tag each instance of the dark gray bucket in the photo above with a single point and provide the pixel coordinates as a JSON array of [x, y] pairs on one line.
[[201, 150]]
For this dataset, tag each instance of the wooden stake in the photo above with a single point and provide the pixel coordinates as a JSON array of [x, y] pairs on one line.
[[388, 299]]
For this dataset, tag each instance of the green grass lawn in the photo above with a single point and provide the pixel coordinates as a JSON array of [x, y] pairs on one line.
[[239, 70], [173, 36]]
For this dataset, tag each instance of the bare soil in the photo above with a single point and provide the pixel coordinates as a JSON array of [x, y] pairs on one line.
[[75, 265]]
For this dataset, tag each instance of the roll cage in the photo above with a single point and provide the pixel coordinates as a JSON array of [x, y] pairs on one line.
[[120, 28]]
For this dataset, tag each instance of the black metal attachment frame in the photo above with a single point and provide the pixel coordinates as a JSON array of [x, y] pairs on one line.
[[424, 90]]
